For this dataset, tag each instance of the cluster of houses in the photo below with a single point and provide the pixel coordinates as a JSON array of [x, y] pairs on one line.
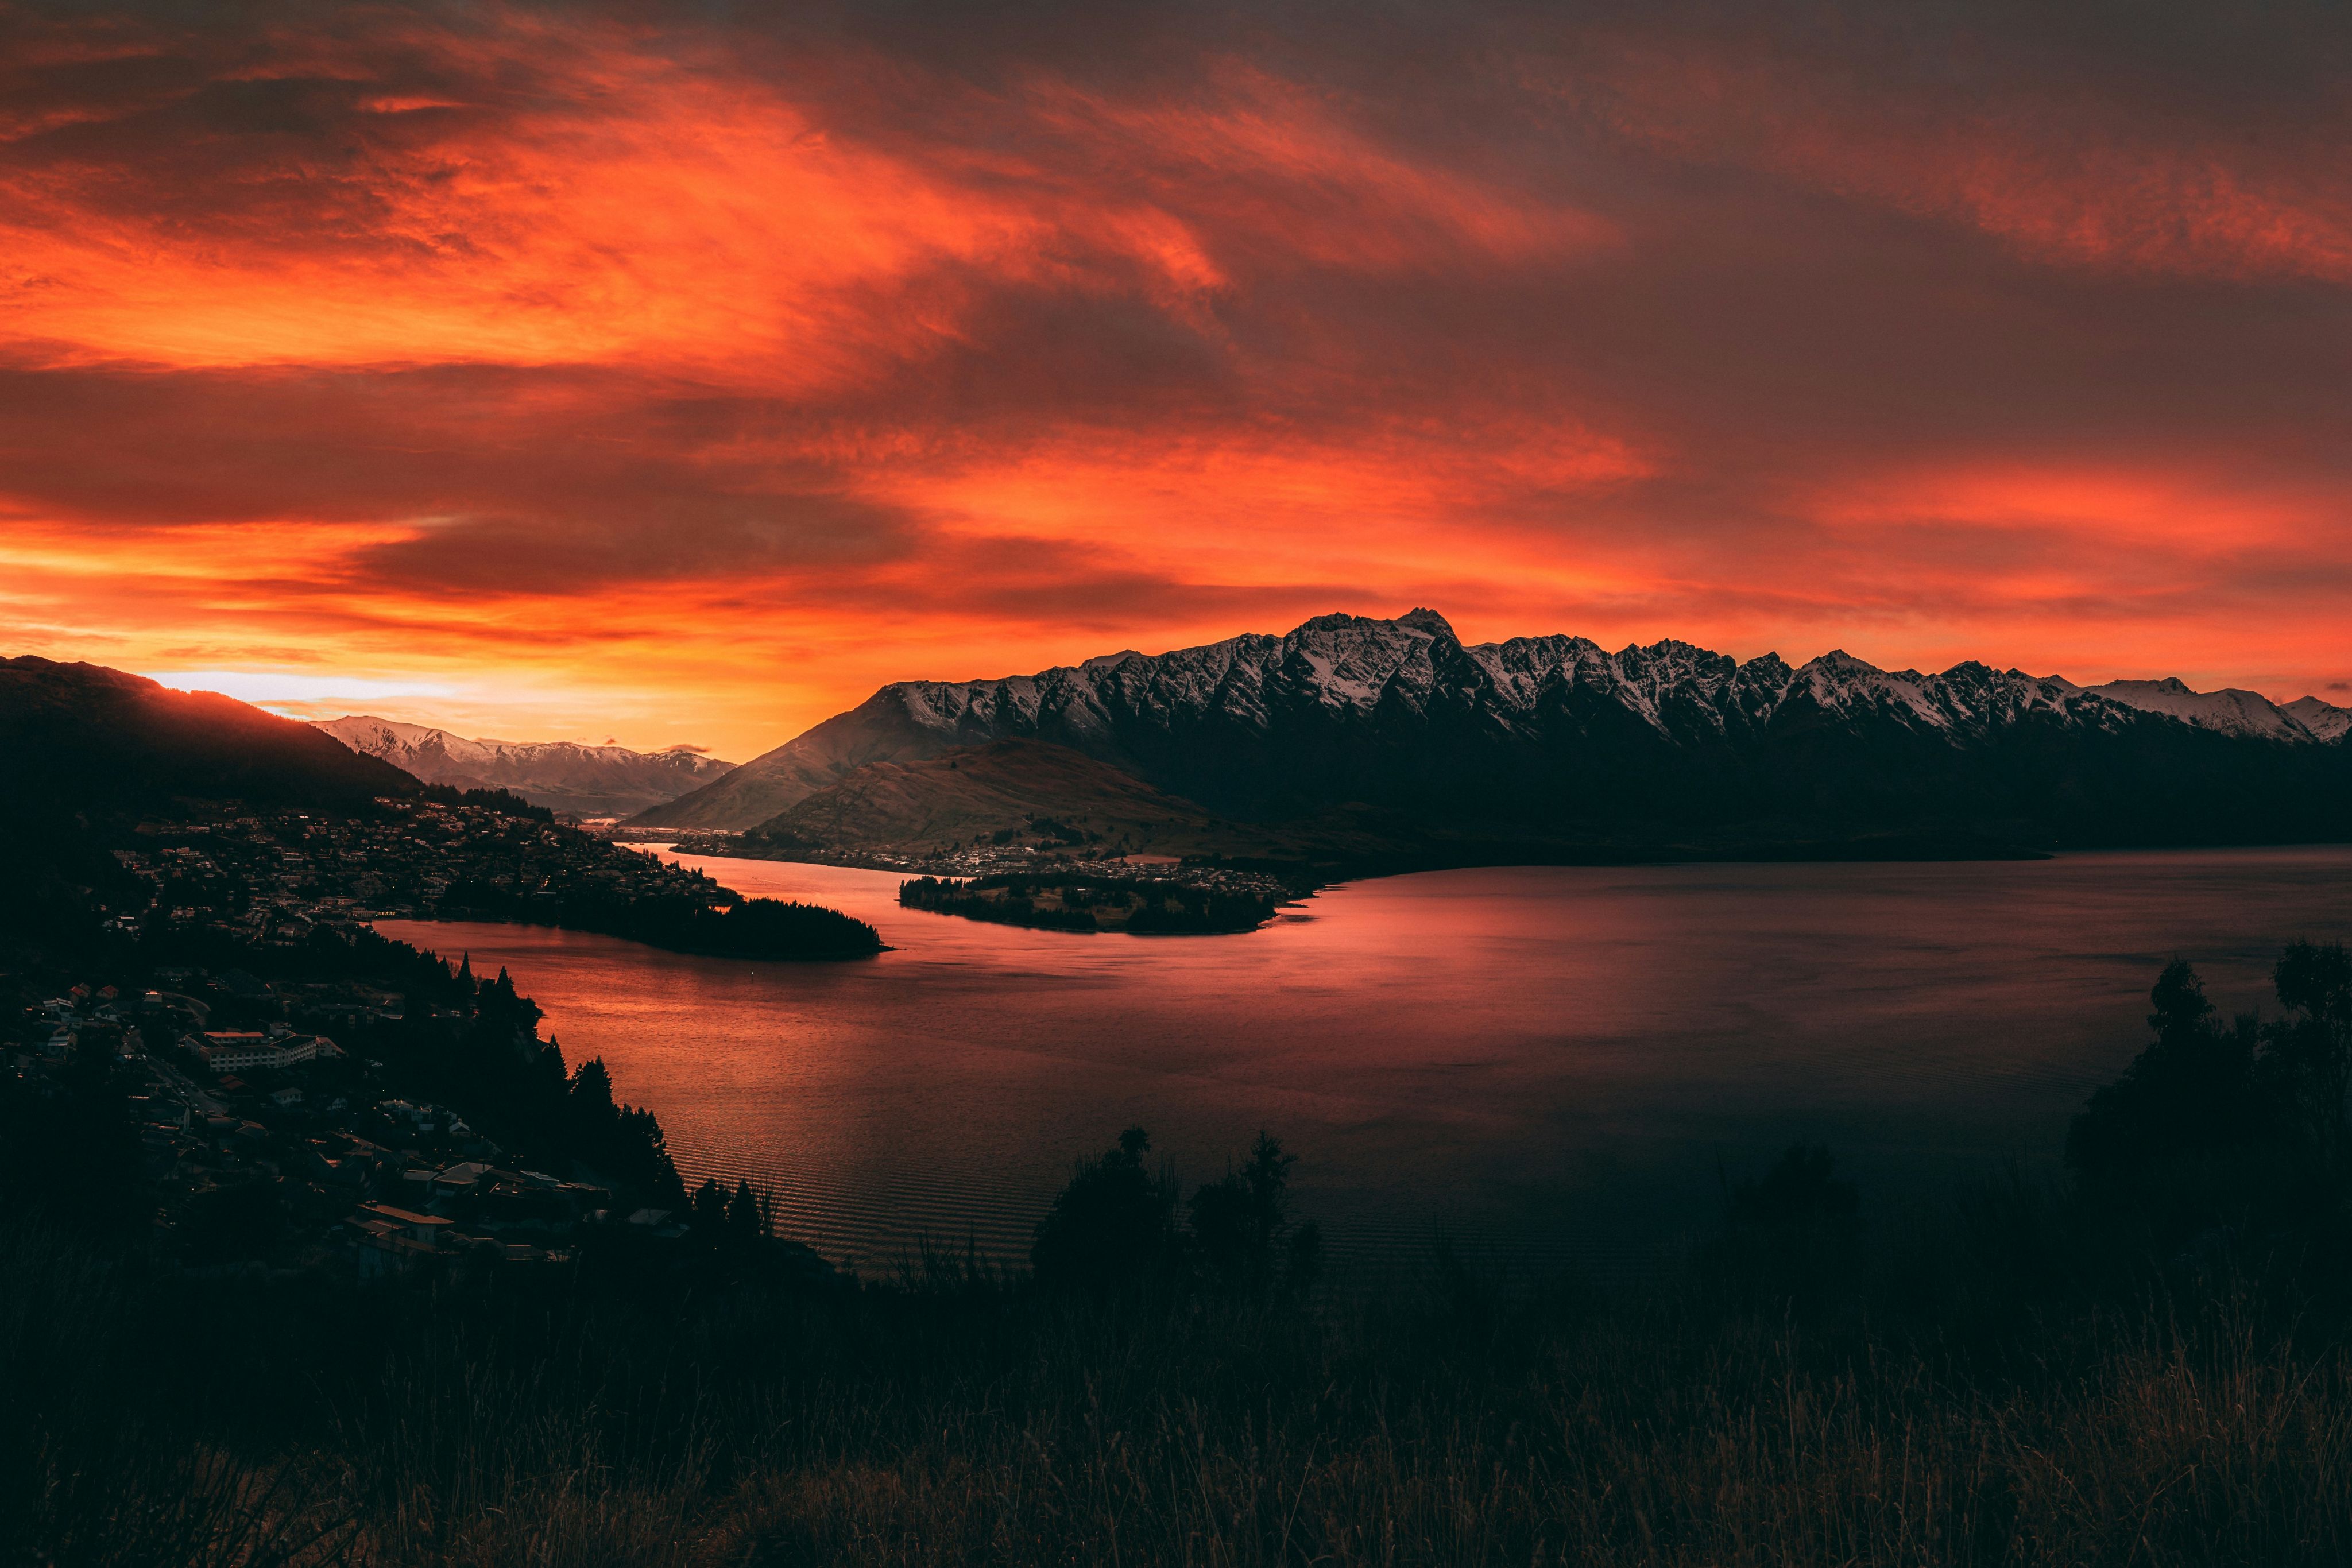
[[402, 1215], [277, 880], [377, 1184], [264, 1093]]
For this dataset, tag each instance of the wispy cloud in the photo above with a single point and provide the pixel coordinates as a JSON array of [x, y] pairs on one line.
[[594, 370]]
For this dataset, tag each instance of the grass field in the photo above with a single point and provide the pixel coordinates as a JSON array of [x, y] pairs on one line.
[[1995, 1383]]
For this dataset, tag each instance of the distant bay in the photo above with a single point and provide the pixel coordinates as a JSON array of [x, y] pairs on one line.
[[1546, 1063]]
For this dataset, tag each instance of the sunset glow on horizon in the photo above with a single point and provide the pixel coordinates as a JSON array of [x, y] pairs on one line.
[[664, 376]]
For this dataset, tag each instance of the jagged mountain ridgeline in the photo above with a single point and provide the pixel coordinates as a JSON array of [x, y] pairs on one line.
[[561, 775], [1395, 732]]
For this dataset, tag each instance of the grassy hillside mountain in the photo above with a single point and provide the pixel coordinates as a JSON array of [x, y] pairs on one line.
[[1008, 792], [877, 731]]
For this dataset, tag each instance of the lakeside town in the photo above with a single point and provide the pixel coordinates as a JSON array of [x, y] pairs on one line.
[[234, 1123], [277, 877], [242, 1068], [256, 1140]]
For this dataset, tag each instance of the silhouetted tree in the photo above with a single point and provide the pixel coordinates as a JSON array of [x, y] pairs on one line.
[[2191, 1093], [708, 1216], [745, 1224], [1237, 1221], [591, 1087], [504, 1016], [2307, 1055], [1110, 1226], [619, 1142]]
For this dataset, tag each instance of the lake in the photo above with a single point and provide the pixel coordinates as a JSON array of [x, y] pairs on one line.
[[1556, 1064]]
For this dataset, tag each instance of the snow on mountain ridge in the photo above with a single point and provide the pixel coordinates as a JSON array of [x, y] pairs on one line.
[[2231, 711], [591, 780], [387, 737], [2324, 719], [1339, 693], [1353, 665]]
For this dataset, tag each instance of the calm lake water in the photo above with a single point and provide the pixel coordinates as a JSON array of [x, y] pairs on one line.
[[1551, 1062]]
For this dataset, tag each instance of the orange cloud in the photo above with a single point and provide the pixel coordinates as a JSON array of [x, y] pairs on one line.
[[1275, 168], [592, 370], [456, 230], [1258, 507], [653, 205], [2070, 176]]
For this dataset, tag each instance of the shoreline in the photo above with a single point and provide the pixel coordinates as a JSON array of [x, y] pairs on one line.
[[1339, 874]]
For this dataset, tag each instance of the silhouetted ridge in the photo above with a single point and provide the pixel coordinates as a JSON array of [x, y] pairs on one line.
[[82, 737], [1539, 747]]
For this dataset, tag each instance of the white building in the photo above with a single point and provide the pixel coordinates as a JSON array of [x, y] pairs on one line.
[[233, 1052]]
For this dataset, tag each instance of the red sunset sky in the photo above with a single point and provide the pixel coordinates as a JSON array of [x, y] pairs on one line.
[[680, 374]]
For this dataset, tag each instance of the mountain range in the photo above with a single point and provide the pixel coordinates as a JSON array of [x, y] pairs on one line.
[[1555, 745], [586, 781]]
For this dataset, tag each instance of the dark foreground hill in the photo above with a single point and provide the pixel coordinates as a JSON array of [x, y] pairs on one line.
[[1550, 745], [79, 737], [2148, 1366]]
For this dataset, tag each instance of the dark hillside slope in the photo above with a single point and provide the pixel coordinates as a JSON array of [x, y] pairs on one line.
[[877, 730], [87, 752], [81, 737]]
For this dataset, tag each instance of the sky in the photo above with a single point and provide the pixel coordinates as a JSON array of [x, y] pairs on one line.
[[679, 374]]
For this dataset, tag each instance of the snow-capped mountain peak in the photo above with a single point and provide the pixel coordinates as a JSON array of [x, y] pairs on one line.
[[2325, 720], [592, 781], [2229, 711], [1344, 707]]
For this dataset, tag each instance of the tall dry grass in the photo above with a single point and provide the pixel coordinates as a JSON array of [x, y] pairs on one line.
[[1974, 1395]]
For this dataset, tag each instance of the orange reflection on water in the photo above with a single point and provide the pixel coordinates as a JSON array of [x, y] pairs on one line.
[[1551, 1060]]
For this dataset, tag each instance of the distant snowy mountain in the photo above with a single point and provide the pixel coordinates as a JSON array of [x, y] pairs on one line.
[[2231, 712], [1557, 739], [587, 780], [2325, 721]]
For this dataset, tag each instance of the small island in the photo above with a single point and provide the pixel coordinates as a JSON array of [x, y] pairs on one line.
[[1155, 907], [753, 928], [720, 924]]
